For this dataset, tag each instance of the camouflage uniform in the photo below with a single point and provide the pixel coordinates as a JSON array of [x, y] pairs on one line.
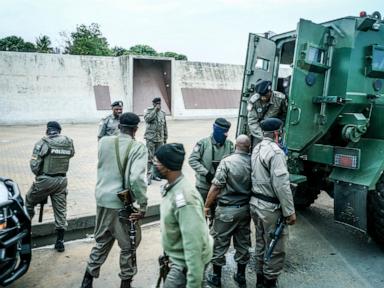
[[205, 155], [156, 133], [109, 181], [50, 162], [258, 111], [108, 126], [232, 217], [187, 243], [270, 178]]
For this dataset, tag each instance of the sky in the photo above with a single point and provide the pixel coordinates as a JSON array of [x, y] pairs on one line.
[[204, 30]]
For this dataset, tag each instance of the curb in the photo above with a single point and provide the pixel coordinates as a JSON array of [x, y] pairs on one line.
[[44, 233]]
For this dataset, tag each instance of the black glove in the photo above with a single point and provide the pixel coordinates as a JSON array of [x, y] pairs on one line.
[[209, 177]]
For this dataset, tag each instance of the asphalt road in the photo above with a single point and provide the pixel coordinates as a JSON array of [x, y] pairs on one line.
[[321, 253]]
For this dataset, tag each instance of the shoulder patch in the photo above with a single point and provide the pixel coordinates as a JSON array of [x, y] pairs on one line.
[[180, 200], [278, 94], [254, 98], [196, 148]]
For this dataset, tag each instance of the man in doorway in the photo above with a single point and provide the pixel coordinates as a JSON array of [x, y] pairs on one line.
[[156, 133], [109, 125], [266, 103]]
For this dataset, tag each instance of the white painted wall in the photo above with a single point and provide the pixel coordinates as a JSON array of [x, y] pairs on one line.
[[36, 88]]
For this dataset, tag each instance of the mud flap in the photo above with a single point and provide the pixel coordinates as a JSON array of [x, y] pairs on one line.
[[351, 205]]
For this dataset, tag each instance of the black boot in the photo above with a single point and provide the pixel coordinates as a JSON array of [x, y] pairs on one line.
[[215, 278], [59, 245], [87, 280], [260, 280], [270, 283], [126, 283], [239, 277]]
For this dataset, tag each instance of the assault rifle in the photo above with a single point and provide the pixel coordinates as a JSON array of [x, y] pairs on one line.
[[125, 197], [275, 236], [164, 269]]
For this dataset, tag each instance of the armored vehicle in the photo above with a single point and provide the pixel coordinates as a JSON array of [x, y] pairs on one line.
[[15, 233], [335, 121]]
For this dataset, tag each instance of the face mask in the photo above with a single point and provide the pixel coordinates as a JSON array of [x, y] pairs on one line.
[[219, 134], [156, 172]]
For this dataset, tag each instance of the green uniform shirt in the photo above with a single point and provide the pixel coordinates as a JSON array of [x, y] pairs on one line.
[[201, 158], [185, 235], [156, 129], [109, 180], [108, 126], [258, 111], [233, 176], [270, 177]]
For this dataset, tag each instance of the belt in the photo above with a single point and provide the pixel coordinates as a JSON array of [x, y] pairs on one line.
[[231, 205], [56, 175], [266, 198]]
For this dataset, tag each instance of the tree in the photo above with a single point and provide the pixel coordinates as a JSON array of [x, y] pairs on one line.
[[15, 43], [173, 55], [43, 44], [141, 49], [87, 40], [119, 51]]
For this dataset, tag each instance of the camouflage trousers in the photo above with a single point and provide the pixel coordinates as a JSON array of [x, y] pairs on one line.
[[265, 223], [176, 277], [152, 147], [108, 229], [231, 222], [56, 189]]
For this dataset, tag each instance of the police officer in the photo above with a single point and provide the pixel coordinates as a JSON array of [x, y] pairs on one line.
[[262, 105], [271, 198], [50, 162], [185, 235], [156, 132], [207, 154], [109, 125], [232, 189], [132, 156]]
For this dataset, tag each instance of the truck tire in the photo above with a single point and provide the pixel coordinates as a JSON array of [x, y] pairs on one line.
[[376, 212], [304, 196]]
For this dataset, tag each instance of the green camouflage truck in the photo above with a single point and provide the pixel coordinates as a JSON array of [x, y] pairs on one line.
[[335, 121]]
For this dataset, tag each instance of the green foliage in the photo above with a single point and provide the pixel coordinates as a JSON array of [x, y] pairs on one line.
[[119, 51], [15, 43], [142, 50], [43, 44], [173, 55], [87, 40]]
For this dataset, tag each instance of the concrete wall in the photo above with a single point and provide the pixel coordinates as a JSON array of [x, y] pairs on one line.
[[35, 88]]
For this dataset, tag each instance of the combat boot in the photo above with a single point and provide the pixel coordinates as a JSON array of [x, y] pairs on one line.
[[59, 245], [239, 277], [87, 280], [270, 283], [260, 280], [126, 283], [214, 279]]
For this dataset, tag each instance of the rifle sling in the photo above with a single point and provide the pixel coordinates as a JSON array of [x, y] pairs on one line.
[[123, 167]]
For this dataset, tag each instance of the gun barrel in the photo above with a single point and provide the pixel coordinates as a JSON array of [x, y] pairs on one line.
[[41, 212]]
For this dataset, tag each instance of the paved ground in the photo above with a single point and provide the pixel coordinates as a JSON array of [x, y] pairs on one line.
[[16, 144], [321, 254]]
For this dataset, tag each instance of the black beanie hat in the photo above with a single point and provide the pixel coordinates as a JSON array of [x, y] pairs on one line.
[[129, 119], [171, 156], [223, 123], [53, 125]]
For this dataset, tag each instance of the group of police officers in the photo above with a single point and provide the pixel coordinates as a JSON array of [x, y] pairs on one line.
[[234, 184]]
